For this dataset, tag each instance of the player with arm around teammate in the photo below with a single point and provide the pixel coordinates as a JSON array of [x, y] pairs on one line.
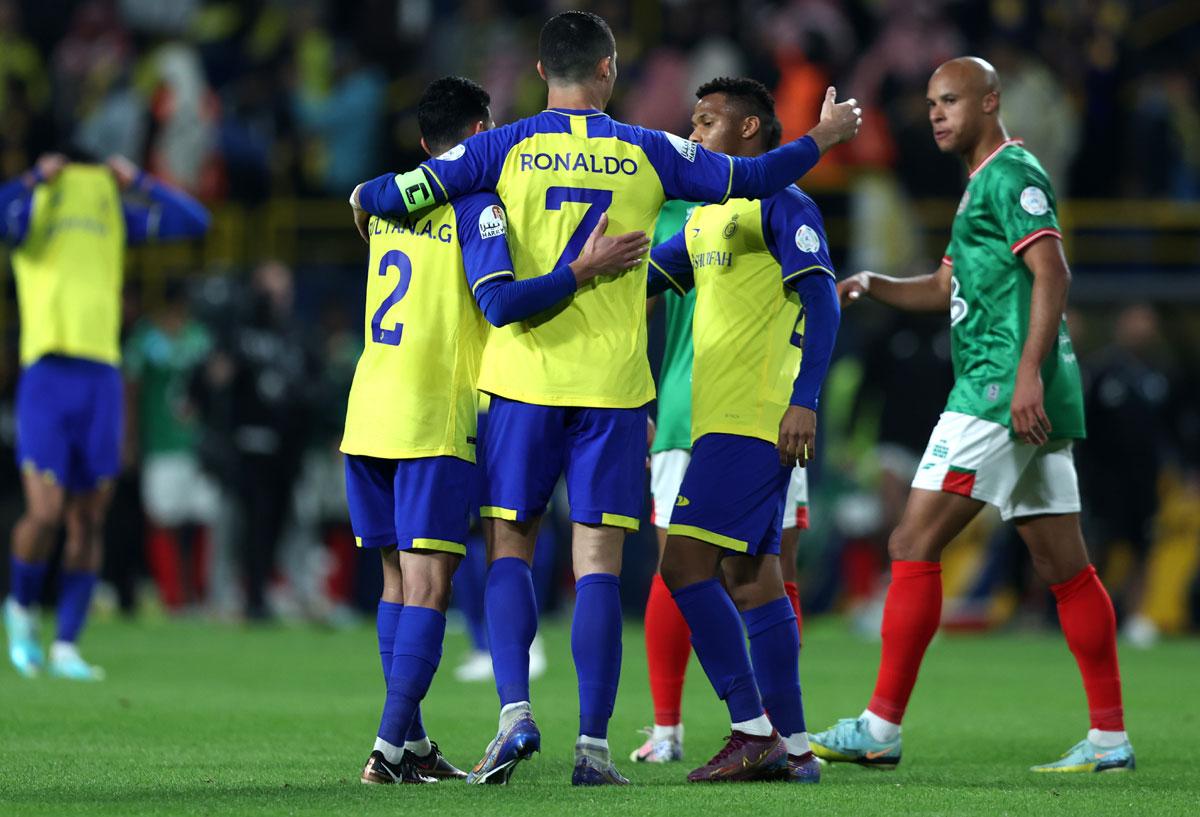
[[69, 223], [1006, 434], [434, 280], [570, 387], [765, 292]]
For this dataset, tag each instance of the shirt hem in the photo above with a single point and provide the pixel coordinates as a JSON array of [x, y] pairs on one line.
[[567, 400]]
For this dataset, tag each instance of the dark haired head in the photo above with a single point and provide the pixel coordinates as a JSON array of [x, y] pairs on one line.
[[448, 110], [572, 43], [751, 98]]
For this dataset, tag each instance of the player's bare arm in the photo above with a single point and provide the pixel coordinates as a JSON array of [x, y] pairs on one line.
[[609, 255], [839, 121], [1047, 302], [922, 293]]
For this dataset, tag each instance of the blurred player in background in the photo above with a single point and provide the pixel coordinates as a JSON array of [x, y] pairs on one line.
[[1006, 435], [667, 638], [765, 290], [70, 225], [411, 418], [570, 388]]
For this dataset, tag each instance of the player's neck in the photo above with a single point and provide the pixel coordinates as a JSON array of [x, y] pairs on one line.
[[574, 98], [992, 138]]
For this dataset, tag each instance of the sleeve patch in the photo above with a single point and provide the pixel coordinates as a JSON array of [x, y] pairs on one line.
[[415, 188], [492, 222], [685, 147], [453, 153], [807, 239], [1033, 201]]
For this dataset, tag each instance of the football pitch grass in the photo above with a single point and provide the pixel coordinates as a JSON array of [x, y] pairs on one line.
[[209, 719]]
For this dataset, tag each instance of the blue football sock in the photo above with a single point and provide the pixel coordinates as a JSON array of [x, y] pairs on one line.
[[720, 645], [74, 598], [469, 582], [416, 653], [386, 617], [596, 647], [26, 580], [545, 553], [775, 649], [511, 626]]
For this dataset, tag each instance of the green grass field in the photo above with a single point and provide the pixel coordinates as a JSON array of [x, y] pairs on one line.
[[208, 719]]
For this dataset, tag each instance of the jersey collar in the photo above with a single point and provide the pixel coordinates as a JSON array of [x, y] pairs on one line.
[[579, 112], [994, 154]]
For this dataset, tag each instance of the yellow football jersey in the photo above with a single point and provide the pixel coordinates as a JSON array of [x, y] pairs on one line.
[[748, 325], [413, 393], [69, 268]]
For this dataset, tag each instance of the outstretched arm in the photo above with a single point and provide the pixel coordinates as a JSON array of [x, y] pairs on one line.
[[921, 293]]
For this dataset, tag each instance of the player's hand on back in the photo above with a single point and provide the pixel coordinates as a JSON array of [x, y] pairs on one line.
[[361, 217], [839, 123], [609, 255], [797, 436], [125, 171], [854, 288], [1029, 420]]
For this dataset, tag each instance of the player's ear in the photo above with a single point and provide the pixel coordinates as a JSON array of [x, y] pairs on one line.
[[991, 102], [425, 147], [478, 127], [605, 68], [541, 71], [751, 125]]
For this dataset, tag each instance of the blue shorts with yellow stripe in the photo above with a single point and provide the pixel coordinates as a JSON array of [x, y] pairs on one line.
[[601, 451], [733, 495], [414, 504]]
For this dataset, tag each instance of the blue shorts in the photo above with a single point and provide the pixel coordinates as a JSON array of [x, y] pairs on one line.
[[733, 495], [602, 451], [69, 417], [414, 504]]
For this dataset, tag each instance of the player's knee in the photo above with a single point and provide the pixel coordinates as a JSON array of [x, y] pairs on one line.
[[44, 519], [906, 545]]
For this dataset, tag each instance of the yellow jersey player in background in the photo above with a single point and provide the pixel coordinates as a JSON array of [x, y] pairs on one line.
[[411, 419], [570, 386], [69, 226]]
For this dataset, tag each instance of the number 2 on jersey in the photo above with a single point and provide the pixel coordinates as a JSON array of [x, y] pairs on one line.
[[397, 259], [600, 200]]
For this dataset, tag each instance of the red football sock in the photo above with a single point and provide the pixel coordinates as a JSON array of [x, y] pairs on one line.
[[162, 554], [793, 594], [910, 618], [1090, 626], [668, 645]]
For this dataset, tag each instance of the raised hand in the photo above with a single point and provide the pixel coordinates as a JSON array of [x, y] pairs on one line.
[[48, 166], [839, 123], [124, 170], [609, 255]]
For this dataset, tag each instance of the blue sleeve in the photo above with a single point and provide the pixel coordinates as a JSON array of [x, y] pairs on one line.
[[670, 267], [466, 168], [794, 233], [16, 202], [171, 214], [768, 174], [822, 314], [483, 236]]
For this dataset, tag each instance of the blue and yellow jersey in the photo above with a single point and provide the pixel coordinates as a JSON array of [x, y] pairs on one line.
[[69, 268], [744, 259], [413, 393], [557, 172]]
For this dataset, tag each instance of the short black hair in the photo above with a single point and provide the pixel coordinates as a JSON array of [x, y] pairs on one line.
[[753, 99], [448, 107], [572, 43]]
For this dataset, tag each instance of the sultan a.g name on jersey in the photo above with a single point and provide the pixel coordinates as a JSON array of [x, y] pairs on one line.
[[419, 227]]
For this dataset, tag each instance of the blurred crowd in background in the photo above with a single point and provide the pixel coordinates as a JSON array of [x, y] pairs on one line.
[[238, 372]]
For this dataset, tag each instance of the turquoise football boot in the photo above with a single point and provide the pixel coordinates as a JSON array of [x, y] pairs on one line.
[[1086, 756], [23, 648], [850, 741]]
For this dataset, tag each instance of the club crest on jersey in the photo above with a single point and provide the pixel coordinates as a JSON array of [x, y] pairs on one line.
[[1033, 201], [730, 228], [807, 240], [453, 153], [963, 202], [492, 222], [685, 147]]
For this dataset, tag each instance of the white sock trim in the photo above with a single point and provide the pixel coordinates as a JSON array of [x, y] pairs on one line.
[[759, 726], [881, 730], [1106, 740], [593, 743], [391, 754], [661, 732], [797, 744], [420, 748]]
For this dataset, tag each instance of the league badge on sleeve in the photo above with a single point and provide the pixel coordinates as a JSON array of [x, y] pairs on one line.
[[685, 147], [1033, 201], [492, 222], [453, 153], [807, 240]]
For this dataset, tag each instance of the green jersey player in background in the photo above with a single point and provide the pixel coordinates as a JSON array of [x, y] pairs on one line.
[[1005, 437]]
